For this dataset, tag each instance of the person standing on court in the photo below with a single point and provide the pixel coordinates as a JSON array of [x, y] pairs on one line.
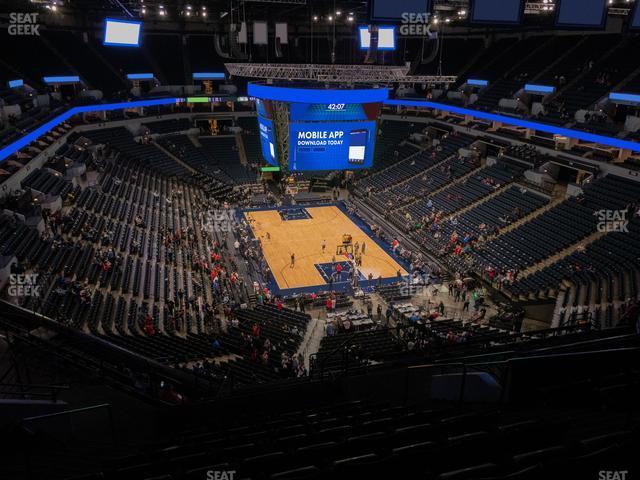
[[324, 246], [293, 259], [364, 246]]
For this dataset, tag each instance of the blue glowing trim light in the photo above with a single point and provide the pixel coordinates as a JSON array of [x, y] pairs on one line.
[[209, 76], [566, 132], [16, 83], [61, 79], [477, 83], [624, 97], [365, 28], [140, 76], [317, 95], [51, 124], [541, 89]]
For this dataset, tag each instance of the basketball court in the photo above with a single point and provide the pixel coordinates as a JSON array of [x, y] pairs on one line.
[[301, 230]]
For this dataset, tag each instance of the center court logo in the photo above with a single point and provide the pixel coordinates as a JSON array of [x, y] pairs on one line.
[[23, 24], [612, 221], [415, 24]]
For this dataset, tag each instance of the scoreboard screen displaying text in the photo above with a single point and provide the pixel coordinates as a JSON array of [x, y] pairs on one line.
[[334, 136]]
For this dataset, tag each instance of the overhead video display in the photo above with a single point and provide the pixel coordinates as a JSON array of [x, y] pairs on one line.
[[395, 9], [334, 136], [267, 140], [315, 112], [122, 33], [267, 136], [496, 11], [581, 13], [635, 18], [331, 146]]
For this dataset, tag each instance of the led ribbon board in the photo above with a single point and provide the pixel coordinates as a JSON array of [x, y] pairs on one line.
[[317, 95], [22, 142], [543, 127], [16, 83], [51, 124]]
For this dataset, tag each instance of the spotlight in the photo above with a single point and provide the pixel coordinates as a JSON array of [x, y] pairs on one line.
[[188, 7], [188, 13], [143, 11], [330, 18], [204, 14], [338, 13], [162, 12], [315, 18], [349, 18]]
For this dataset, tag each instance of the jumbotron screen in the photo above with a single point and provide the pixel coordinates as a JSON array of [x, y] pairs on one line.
[[267, 137], [334, 136]]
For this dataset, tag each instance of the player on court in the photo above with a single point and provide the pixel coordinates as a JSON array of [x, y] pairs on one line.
[[324, 246], [293, 259]]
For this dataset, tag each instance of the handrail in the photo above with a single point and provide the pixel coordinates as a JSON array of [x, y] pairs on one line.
[[67, 412]]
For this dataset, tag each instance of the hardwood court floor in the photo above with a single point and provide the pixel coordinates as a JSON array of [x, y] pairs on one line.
[[304, 238]]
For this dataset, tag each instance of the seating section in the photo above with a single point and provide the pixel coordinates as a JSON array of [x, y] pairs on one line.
[[168, 126], [354, 350], [601, 277], [394, 186], [224, 151], [559, 228], [601, 78], [374, 439], [146, 154]]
